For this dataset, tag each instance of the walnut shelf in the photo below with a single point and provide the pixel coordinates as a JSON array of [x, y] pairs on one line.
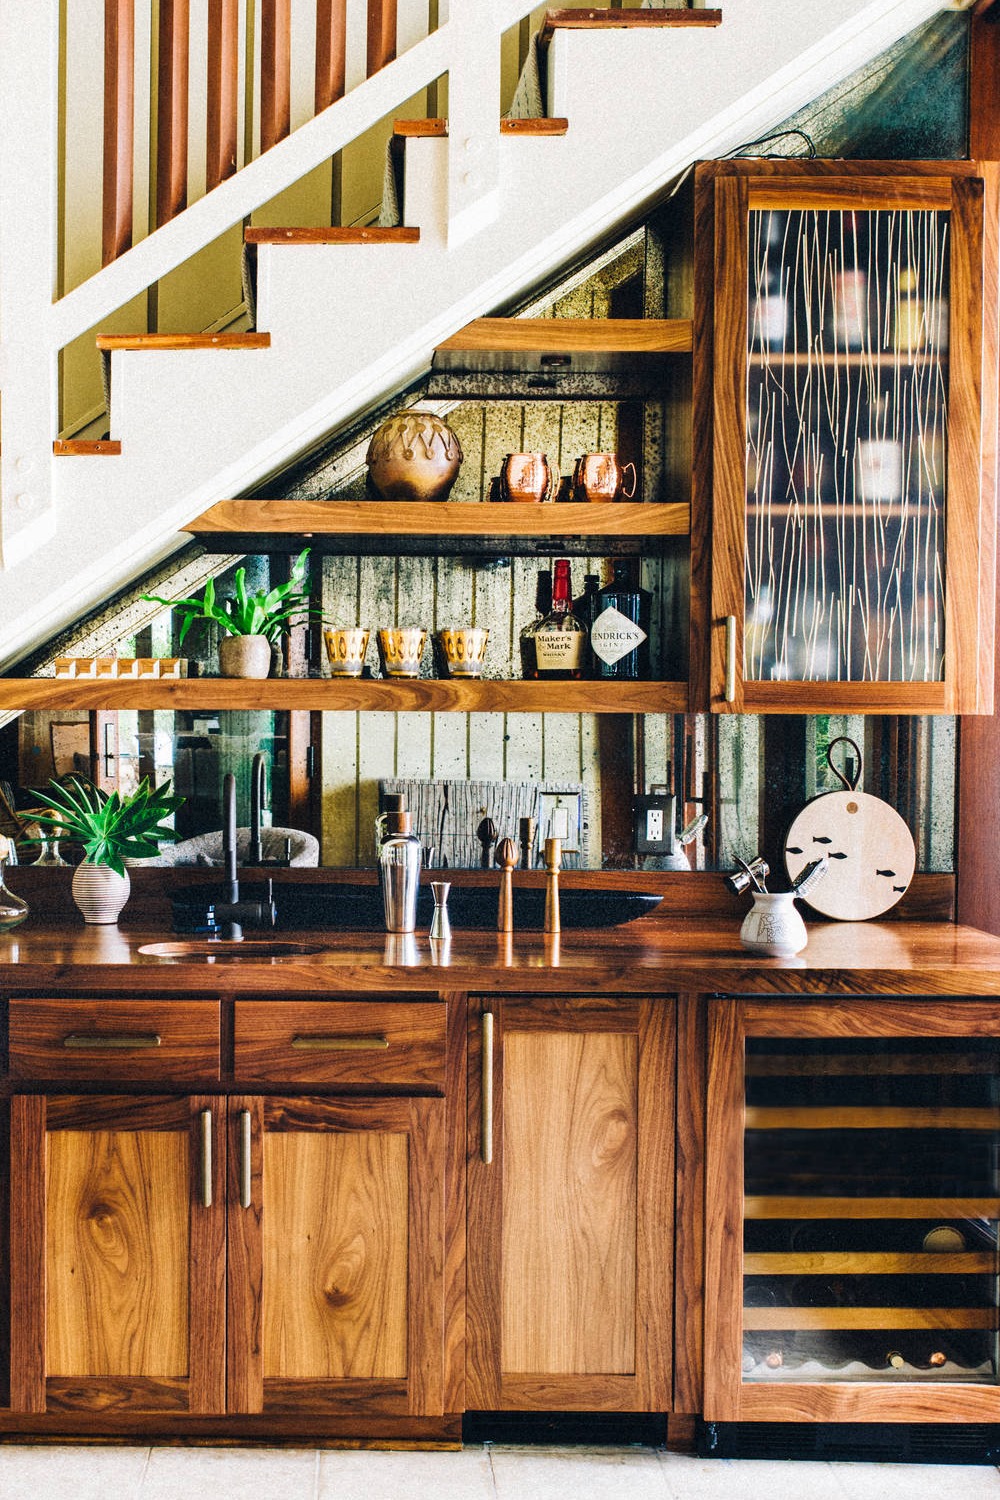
[[347, 695], [446, 527]]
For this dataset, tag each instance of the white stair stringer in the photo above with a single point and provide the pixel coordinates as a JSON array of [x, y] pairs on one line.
[[350, 323]]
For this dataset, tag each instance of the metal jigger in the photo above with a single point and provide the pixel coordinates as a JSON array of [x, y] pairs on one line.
[[440, 922]]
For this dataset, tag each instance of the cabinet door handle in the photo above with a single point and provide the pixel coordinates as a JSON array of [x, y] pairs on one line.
[[730, 691], [92, 1041], [487, 1118], [373, 1043], [244, 1184], [206, 1158]]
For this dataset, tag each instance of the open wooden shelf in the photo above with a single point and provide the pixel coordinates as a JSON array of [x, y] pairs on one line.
[[403, 526], [347, 694]]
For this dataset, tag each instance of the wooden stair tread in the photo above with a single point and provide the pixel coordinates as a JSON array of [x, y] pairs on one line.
[[621, 335], [536, 125], [111, 341], [621, 20], [371, 234], [90, 447]]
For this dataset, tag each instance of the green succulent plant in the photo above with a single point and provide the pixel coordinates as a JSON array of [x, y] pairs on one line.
[[111, 828], [267, 612]]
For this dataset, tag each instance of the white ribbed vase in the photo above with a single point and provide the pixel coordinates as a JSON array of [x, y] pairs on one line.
[[99, 892]]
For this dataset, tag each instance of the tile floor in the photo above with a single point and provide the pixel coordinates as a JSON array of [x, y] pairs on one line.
[[493, 1472]]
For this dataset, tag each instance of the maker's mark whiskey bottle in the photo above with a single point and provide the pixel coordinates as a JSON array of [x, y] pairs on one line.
[[557, 641]]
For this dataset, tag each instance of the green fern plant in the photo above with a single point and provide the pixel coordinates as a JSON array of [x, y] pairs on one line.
[[267, 612], [111, 828]]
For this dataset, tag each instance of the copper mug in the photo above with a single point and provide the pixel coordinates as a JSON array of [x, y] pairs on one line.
[[599, 476], [527, 476]]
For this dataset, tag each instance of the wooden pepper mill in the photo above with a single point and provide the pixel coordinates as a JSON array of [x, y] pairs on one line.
[[553, 861], [506, 858]]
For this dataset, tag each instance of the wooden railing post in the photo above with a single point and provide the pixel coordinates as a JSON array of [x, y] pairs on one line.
[[29, 70], [381, 34], [275, 71], [119, 127], [221, 93], [331, 51], [172, 110]]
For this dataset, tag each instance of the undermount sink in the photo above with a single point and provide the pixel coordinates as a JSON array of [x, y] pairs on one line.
[[226, 951]]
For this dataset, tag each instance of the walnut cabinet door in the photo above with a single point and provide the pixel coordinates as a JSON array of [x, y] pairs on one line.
[[570, 1209], [336, 1255], [117, 1246]]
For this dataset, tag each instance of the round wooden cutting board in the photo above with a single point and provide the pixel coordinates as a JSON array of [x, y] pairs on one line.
[[869, 847]]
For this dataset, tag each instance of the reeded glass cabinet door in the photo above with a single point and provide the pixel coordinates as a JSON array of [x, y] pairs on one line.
[[846, 564]]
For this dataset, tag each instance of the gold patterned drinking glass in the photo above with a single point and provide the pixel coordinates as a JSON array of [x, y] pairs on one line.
[[346, 649], [400, 650], [461, 651]]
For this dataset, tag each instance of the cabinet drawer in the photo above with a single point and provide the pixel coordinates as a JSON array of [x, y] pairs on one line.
[[115, 1041], [341, 1042]]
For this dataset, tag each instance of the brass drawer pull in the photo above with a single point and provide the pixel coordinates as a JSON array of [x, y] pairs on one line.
[[373, 1043], [92, 1041], [244, 1158], [206, 1158], [487, 1118]]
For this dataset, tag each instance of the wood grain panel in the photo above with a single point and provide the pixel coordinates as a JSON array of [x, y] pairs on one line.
[[724, 1211], [117, 1210], [689, 1238], [863, 1018], [785, 1207], [756, 1318], [340, 1043], [27, 1254], [867, 1401], [335, 1256], [66, 1041], [569, 1239]]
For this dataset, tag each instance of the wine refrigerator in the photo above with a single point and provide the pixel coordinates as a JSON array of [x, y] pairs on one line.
[[852, 1207]]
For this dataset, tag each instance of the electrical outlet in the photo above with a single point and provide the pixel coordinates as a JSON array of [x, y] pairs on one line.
[[653, 821]]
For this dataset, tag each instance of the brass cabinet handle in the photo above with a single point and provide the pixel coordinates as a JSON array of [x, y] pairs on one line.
[[244, 1158], [92, 1041], [206, 1158], [730, 691], [373, 1043], [487, 1118]]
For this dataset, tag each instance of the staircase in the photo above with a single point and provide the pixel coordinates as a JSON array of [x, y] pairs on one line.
[[345, 318]]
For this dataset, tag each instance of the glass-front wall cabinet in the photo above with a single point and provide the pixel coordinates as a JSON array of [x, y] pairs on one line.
[[848, 319], [866, 1250]]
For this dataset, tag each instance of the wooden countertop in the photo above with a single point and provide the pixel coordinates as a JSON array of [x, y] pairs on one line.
[[691, 954]]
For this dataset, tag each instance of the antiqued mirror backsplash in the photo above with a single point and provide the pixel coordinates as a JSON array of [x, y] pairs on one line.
[[576, 774]]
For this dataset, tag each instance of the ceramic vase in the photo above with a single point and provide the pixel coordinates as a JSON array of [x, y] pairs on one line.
[[773, 925], [100, 892], [245, 656], [413, 456]]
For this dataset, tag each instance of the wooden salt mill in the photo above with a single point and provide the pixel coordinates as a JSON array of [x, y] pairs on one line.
[[506, 857], [553, 860]]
